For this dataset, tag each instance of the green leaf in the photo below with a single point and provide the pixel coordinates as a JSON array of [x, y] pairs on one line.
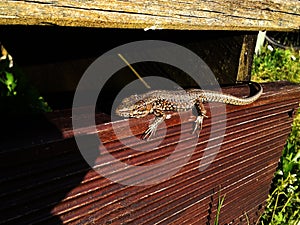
[[9, 78], [296, 157]]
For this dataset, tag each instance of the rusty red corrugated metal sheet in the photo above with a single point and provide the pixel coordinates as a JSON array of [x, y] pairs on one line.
[[50, 183]]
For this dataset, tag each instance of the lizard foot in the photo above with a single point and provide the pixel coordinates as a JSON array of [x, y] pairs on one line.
[[198, 123], [152, 128]]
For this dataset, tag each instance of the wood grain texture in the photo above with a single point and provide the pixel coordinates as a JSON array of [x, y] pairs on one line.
[[158, 14], [49, 182]]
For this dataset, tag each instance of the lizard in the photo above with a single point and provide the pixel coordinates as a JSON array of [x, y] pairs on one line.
[[160, 102]]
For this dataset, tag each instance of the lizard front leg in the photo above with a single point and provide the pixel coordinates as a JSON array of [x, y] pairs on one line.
[[201, 115], [160, 116]]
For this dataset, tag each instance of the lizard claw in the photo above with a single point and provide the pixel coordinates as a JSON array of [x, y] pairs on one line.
[[149, 132], [152, 128], [198, 123]]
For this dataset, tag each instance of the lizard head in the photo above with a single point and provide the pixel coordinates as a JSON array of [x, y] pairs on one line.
[[133, 108]]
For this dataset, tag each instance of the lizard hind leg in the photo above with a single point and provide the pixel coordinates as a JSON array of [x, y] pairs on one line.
[[201, 115]]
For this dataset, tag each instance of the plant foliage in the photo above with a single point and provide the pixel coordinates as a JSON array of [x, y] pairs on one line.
[[276, 64], [283, 204], [17, 95]]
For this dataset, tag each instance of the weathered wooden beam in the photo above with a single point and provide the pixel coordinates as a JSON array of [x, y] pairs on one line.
[[159, 14]]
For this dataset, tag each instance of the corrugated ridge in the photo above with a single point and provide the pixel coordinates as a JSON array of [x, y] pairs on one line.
[[228, 124], [245, 164], [229, 207], [184, 193]]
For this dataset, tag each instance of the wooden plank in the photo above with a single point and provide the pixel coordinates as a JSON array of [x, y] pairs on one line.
[[246, 58], [158, 14], [50, 183]]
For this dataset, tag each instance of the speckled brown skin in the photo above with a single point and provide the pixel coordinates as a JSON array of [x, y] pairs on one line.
[[160, 101]]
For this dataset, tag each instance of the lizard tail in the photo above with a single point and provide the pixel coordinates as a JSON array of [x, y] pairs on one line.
[[212, 96]]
